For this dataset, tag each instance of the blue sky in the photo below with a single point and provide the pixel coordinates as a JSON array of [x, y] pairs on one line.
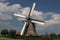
[[41, 5], [48, 10]]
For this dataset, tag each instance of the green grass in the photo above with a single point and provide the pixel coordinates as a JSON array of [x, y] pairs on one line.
[[22, 38], [6, 38]]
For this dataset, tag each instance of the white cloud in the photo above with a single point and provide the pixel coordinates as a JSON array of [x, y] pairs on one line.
[[12, 8], [24, 11], [37, 15], [54, 20], [9, 25], [5, 16], [6, 11], [3, 0]]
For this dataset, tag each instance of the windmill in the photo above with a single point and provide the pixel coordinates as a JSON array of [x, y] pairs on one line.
[[29, 26]]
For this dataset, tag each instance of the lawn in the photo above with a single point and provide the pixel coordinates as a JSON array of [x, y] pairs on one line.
[[22, 38], [6, 38]]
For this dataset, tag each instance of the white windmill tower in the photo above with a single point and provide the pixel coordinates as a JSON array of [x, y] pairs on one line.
[[29, 27]]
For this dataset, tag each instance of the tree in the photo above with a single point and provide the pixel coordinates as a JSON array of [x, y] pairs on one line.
[[12, 33], [53, 35], [4, 32]]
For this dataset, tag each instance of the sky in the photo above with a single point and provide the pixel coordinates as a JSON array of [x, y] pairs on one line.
[[47, 10]]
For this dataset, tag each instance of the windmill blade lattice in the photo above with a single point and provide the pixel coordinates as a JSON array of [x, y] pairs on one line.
[[23, 29], [31, 10], [21, 16], [41, 23]]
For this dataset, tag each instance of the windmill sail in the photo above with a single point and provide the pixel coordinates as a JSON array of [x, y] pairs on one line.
[[38, 22], [20, 15], [31, 10], [23, 29]]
